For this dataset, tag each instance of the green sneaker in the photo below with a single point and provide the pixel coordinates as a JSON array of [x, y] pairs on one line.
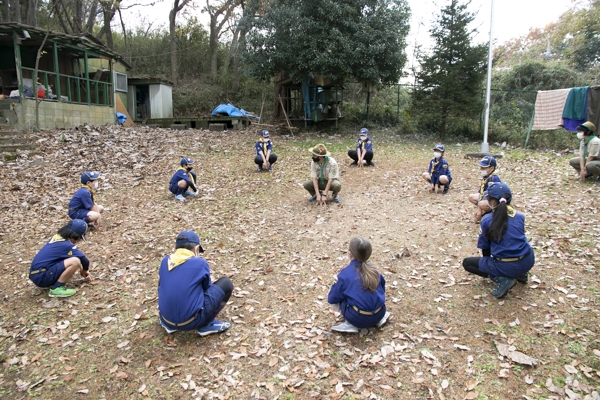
[[62, 291]]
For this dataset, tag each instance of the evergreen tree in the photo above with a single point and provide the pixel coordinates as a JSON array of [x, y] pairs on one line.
[[450, 78], [361, 39]]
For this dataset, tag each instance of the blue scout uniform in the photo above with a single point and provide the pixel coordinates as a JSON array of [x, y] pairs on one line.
[[262, 147], [437, 168], [81, 203], [188, 176], [186, 298], [512, 256], [485, 183], [361, 308], [48, 264], [363, 145]]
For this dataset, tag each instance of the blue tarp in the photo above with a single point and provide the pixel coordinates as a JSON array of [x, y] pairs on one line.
[[232, 111], [121, 118]]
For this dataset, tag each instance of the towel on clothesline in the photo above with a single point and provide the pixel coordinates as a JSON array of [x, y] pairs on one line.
[[549, 106], [574, 113], [593, 106]]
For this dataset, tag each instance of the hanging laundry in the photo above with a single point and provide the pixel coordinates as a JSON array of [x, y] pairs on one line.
[[574, 113], [593, 105], [549, 106]]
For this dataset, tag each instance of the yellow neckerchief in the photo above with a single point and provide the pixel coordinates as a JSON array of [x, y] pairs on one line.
[[511, 212], [264, 142], [435, 163], [57, 238], [179, 257], [189, 174], [585, 143], [483, 183], [85, 186], [363, 143]]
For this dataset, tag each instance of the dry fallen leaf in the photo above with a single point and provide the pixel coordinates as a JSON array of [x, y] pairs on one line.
[[516, 356]]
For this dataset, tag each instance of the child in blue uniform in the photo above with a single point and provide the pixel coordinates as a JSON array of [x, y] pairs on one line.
[[507, 255], [187, 299], [183, 180], [487, 167], [83, 203], [438, 174], [364, 150], [359, 293], [59, 259], [264, 156]]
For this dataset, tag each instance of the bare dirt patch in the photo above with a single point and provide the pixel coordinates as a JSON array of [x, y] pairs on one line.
[[282, 253]]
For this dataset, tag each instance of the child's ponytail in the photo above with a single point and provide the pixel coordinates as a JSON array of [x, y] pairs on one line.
[[499, 223], [361, 250]]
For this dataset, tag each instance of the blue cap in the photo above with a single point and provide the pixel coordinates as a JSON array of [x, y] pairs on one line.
[[488, 161], [498, 190], [79, 226], [264, 133], [440, 147], [186, 161], [89, 176], [188, 237], [364, 132]]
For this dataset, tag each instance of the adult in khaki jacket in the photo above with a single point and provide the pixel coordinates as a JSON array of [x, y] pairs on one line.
[[588, 162], [324, 174]]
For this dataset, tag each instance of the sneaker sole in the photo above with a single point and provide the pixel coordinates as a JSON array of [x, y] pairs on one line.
[[385, 321], [59, 295]]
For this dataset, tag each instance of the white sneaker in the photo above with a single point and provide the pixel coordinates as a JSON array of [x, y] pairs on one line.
[[345, 327], [190, 193], [180, 197], [383, 320]]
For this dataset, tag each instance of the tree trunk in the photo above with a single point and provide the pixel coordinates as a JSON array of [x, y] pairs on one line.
[[173, 39], [108, 12], [214, 47], [443, 124], [232, 50], [237, 70], [15, 7]]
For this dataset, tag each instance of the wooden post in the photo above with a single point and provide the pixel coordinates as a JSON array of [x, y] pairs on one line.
[[284, 113]]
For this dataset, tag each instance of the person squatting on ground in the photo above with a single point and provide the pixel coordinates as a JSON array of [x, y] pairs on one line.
[[59, 259], [588, 162], [187, 299], [364, 150], [83, 203], [324, 174], [264, 156], [359, 293], [438, 174], [507, 254], [183, 180], [487, 167]]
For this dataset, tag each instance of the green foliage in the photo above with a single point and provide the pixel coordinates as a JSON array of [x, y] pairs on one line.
[[574, 43], [536, 75], [361, 39], [450, 78]]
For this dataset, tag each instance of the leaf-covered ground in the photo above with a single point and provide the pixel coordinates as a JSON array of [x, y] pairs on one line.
[[446, 334]]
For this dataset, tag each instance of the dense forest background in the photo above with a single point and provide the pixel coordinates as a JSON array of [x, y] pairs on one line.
[[227, 60]]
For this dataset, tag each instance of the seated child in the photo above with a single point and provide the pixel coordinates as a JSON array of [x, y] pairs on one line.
[[364, 150], [183, 179], [507, 254], [438, 173], [264, 158], [487, 166], [359, 293], [83, 204]]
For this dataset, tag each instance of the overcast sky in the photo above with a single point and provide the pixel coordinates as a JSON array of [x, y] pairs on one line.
[[512, 18]]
